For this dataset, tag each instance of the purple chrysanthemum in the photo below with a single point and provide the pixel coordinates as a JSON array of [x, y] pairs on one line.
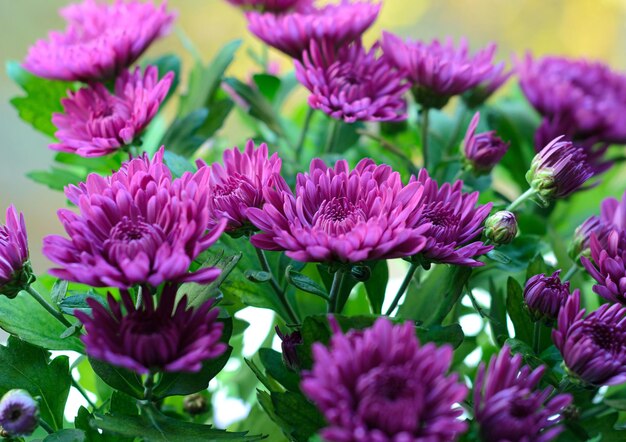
[[380, 384], [239, 184], [593, 346], [454, 223], [586, 98], [289, 344], [545, 295], [97, 122], [342, 215], [100, 40], [338, 24], [509, 406], [479, 94], [484, 150], [19, 413], [168, 337], [608, 267], [558, 170], [15, 270], [352, 84], [274, 6], [138, 226], [438, 71]]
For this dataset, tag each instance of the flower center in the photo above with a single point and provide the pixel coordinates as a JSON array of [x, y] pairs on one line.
[[150, 337], [131, 236], [606, 336], [444, 221], [338, 216]]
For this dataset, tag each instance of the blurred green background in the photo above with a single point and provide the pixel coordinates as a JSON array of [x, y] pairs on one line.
[[590, 28]]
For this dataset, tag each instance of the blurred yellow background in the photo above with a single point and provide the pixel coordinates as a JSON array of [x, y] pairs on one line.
[[589, 28]]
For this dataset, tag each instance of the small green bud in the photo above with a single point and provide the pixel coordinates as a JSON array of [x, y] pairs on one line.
[[501, 227]]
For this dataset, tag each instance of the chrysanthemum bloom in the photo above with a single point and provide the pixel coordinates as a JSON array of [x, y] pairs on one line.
[[438, 71], [454, 223], [558, 170], [479, 94], [545, 295], [239, 184], [19, 413], [501, 227], [352, 84], [15, 271], [508, 405], [100, 40], [138, 226], [145, 339], [97, 122], [275, 6], [342, 215], [587, 95], [380, 384], [608, 267], [593, 347], [484, 150], [289, 344], [292, 33]]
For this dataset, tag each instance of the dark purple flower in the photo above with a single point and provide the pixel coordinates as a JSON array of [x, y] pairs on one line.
[[239, 185], [454, 222], [558, 170], [608, 267], [438, 71], [275, 6], [138, 226], [342, 215], [352, 84], [97, 122], [586, 96], [292, 33], [509, 406], [545, 295], [484, 150], [168, 337], [100, 40], [501, 227], [19, 413], [479, 94], [380, 384], [289, 345], [593, 347], [15, 271]]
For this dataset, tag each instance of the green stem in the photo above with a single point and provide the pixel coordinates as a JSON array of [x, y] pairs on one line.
[[265, 57], [391, 148], [536, 336], [148, 386], [520, 199], [405, 284], [82, 391], [335, 289], [305, 129], [424, 124], [475, 304], [280, 293], [332, 136], [54, 312], [570, 273], [457, 128], [46, 426]]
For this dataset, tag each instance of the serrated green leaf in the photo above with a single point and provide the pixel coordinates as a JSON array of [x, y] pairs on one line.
[[67, 435], [301, 416], [515, 307], [118, 378], [275, 367], [304, 283], [25, 366], [439, 335]]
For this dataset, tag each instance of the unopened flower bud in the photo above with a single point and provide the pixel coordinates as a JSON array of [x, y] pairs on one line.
[[195, 404], [361, 273], [15, 269], [19, 413], [290, 342], [484, 150], [501, 227], [545, 295]]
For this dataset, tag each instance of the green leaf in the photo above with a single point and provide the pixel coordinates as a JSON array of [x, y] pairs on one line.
[[181, 136], [83, 422], [450, 334], [314, 329], [218, 112], [59, 290], [56, 178], [275, 367], [304, 283], [497, 314], [166, 63], [536, 266], [28, 367], [268, 85], [180, 383], [515, 307], [257, 276], [152, 426], [26, 319], [118, 378], [434, 299], [43, 98], [67, 435], [78, 301], [301, 416], [177, 164], [376, 285]]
